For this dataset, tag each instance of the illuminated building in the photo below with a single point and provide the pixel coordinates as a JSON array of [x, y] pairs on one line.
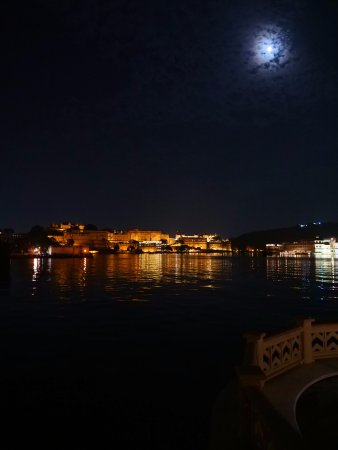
[[274, 249], [210, 242], [326, 248], [64, 226], [302, 248], [219, 245], [91, 238], [147, 241], [147, 236], [74, 250], [195, 241], [107, 240], [320, 248], [151, 246]]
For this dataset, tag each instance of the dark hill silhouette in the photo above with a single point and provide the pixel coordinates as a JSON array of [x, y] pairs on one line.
[[258, 239]]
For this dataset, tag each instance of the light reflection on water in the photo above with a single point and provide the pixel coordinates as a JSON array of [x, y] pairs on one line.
[[127, 277], [142, 278], [40, 266], [171, 319], [306, 274]]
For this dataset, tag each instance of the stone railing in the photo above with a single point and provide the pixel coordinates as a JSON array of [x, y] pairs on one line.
[[324, 340], [267, 357]]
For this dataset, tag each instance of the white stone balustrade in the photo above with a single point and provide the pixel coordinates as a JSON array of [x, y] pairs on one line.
[[270, 356]]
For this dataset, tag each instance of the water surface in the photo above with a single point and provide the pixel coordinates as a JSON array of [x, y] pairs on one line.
[[134, 349]]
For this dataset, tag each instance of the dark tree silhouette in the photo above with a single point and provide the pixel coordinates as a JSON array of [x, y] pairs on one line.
[[90, 227]]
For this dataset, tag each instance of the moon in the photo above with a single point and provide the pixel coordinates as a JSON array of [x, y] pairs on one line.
[[270, 48]]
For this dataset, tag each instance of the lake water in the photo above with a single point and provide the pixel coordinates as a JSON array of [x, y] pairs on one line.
[[131, 351]]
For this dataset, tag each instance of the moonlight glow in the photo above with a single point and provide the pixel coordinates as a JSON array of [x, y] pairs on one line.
[[271, 48]]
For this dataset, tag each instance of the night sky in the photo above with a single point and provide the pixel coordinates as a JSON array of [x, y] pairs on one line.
[[188, 115]]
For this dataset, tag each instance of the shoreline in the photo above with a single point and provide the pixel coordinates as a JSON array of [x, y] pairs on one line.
[[218, 253], [19, 256]]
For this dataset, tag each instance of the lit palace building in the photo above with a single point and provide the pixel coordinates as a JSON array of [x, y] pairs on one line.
[[326, 248], [134, 240], [319, 248], [111, 240]]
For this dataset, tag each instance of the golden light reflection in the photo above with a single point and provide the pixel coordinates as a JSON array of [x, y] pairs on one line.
[[83, 279], [133, 278], [36, 269], [70, 277], [84, 271], [197, 268], [141, 276], [152, 265]]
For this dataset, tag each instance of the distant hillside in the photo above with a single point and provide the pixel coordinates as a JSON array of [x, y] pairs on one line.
[[258, 239]]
